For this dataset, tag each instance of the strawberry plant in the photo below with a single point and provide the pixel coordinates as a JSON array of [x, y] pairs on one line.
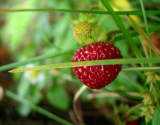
[[111, 50]]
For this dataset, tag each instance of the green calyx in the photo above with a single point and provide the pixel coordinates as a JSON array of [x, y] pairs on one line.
[[84, 19], [103, 37]]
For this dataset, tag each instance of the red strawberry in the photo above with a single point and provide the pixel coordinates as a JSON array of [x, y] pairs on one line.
[[155, 40], [96, 77], [135, 122]]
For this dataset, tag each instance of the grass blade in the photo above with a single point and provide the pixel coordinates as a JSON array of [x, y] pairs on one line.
[[146, 25], [144, 16], [122, 28], [78, 93], [90, 63], [149, 12], [142, 69]]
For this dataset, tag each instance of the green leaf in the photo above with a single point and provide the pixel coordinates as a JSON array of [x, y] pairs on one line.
[[93, 20], [58, 97], [156, 117], [82, 18], [103, 36]]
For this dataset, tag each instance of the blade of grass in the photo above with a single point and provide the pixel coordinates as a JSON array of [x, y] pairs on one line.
[[149, 12], [122, 28], [35, 59], [146, 25], [144, 16], [90, 63], [142, 69], [143, 34], [131, 110], [144, 48], [36, 108]]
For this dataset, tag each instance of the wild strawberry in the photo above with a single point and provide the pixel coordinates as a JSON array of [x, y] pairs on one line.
[[135, 122], [155, 40], [83, 27], [96, 77]]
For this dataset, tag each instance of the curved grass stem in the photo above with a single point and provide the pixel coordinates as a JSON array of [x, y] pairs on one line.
[[78, 93], [131, 109]]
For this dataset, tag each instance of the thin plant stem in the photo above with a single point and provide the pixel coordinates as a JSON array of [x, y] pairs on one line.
[[144, 48], [146, 25], [149, 12], [142, 69], [36, 108], [78, 93], [144, 16], [131, 109]]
